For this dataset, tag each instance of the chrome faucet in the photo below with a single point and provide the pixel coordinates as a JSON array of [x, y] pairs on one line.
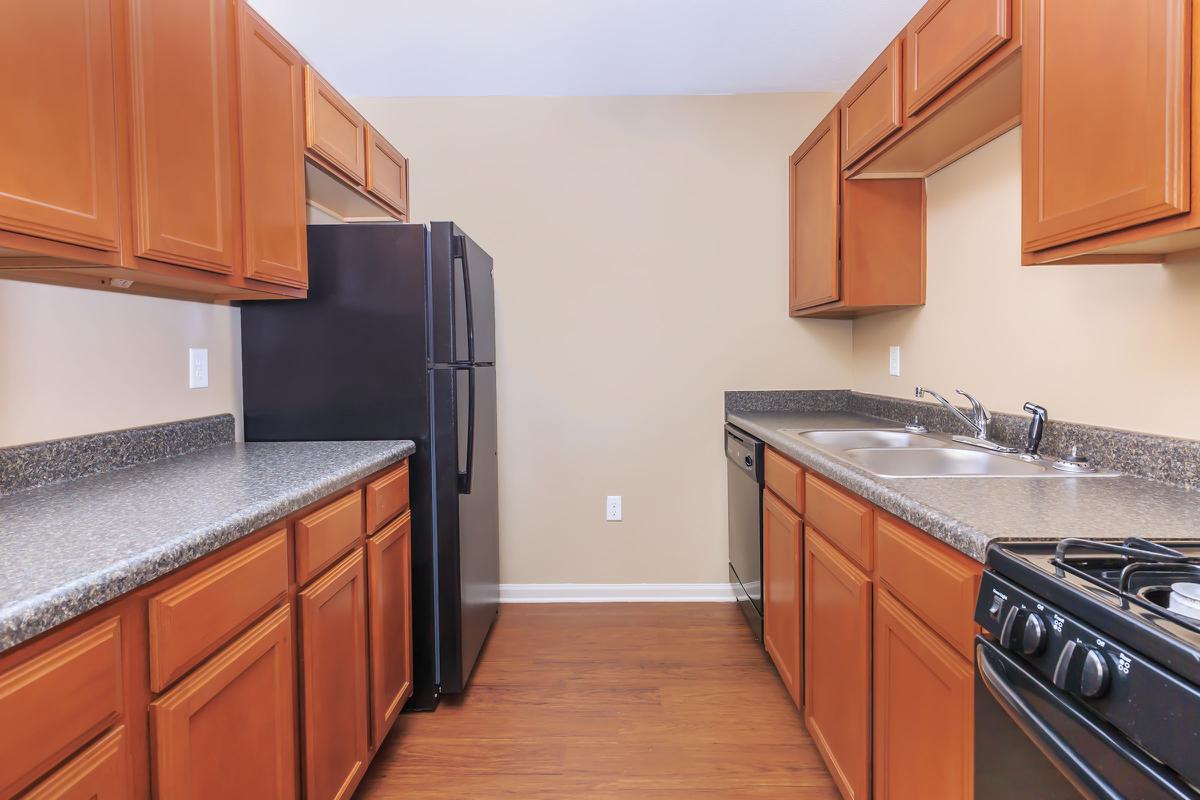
[[980, 421]]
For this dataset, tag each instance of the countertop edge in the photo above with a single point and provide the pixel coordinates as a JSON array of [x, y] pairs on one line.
[[942, 526], [33, 616]]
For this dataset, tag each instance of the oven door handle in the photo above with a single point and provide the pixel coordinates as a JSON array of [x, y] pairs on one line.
[[1070, 763]]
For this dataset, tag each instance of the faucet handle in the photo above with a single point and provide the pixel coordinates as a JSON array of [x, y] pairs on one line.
[[982, 415]]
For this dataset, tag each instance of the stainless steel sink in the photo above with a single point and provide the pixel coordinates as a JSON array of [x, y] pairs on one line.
[[895, 453], [944, 462], [849, 440]]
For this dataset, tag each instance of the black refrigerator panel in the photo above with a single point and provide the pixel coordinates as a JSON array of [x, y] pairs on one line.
[[348, 362], [462, 325], [468, 567]]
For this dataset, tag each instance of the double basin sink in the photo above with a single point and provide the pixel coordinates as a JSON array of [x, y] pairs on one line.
[[900, 454]]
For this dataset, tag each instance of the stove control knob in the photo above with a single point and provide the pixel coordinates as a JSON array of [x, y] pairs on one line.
[[1094, 680], [1084, 666], [1033, 636]]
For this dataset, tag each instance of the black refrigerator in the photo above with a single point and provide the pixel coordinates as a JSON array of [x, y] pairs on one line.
[[397, 341]]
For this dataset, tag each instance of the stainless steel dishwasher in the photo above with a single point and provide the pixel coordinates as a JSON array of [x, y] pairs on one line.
[[744, 455]]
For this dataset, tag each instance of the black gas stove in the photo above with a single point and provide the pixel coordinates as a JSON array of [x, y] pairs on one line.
[[1094, 654]]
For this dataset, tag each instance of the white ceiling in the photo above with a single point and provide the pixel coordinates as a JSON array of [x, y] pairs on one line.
[[588, 47]]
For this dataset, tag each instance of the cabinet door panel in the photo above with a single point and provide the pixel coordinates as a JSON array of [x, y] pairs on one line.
[[782, 625], [271, 88], [815, 191], [387, 172], [229, 728], [1105, 108], [58, 161], [871, 108], [389, 574], [100, 772], [184, 139], [333, 638], [923, 706], [333, 129], [945, 40], [837, 663]]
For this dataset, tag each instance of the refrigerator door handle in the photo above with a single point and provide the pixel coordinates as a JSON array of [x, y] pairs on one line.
[[464, 476], [460, 247]]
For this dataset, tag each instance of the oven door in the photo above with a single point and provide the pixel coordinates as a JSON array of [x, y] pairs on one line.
[[1033, 741]]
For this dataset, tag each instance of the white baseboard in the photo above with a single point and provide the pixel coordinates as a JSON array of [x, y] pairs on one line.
[[616, 593]]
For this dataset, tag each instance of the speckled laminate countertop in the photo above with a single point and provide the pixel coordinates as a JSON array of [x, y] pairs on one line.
[[68, 548], [971, 513]]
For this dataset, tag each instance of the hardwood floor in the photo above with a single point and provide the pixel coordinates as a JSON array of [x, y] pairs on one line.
[[667, 700]]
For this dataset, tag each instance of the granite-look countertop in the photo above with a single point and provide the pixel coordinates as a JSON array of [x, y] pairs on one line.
[[971, 513], [68, 548]]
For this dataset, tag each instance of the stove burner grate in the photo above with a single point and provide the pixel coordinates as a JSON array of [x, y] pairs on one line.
[[1139, 556]]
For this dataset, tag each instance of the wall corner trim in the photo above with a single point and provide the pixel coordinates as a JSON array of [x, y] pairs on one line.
[[616, 593]]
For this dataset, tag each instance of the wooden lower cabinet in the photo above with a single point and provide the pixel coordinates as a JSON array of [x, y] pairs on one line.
[[100, 772], [783, 535], [229, 729], [389, 582], [837, 663], [924, 713], [333, 646]]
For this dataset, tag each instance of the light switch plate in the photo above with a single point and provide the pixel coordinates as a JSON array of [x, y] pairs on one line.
[[197, 367], [613, 508], [894, 360]]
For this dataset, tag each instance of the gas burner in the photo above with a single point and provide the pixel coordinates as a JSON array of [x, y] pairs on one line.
[[1184, 599]]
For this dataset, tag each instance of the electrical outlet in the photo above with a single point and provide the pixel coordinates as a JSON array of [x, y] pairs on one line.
[[613, 508], [198, 368], [894, 361]]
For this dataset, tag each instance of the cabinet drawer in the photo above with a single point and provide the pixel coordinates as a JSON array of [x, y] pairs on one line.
[[192, 619], [844, 519], [326, 535], [871, 108], [945, 39], [785, 478], [332, 128], [101, 772], [55, 702], [387, 497], [387, 172], [934, 581]]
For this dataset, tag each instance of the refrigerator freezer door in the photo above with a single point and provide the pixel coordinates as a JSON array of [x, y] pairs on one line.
[[468, 525]]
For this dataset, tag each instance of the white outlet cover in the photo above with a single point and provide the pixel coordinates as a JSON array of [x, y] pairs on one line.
[[613, 508], [197, 367], [894, 360]]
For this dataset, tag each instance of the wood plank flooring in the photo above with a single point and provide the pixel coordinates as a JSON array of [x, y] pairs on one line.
[[666, 700]]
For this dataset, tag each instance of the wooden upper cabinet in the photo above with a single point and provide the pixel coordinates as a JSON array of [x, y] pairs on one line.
[[387, 172], [334, 131], [782, 622], [58, 131], [924, 712], [871, 108], [185, 142], [389, 581], [100, 772], [229, 728], [945, 40], [837, 664], [271, 89], [815, 182], [333, 646], [1106, 109]]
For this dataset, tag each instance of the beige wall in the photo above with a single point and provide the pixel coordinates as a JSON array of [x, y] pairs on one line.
[[641, 248], [75, 361], [1106, 345]]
